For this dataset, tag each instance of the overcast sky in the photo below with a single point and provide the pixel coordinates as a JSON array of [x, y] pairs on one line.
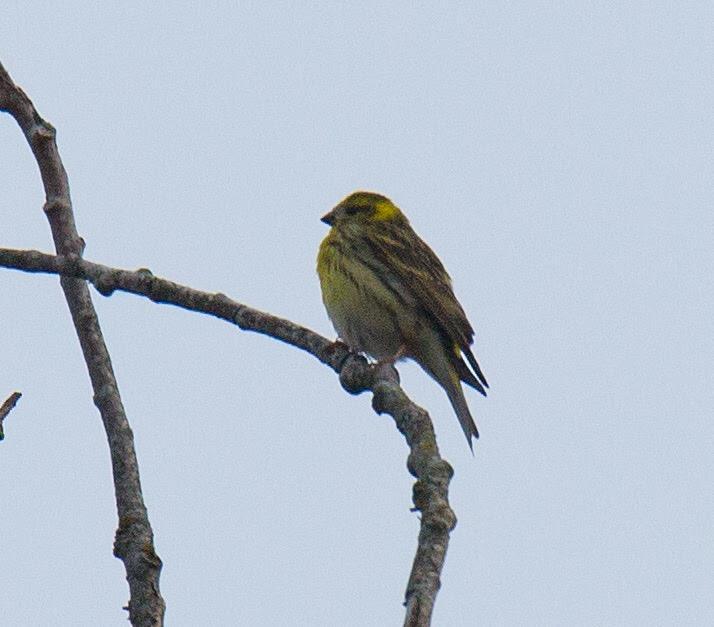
[[558, 158]]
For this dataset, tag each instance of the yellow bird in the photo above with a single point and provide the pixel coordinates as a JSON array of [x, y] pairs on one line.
[[389, 296]]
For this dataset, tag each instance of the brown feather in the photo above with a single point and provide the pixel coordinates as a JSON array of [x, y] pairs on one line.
[[418, 270]]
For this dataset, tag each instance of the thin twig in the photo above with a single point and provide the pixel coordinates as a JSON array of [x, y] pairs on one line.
[[134, 541], [142, 282], [6, 408], [430, 493]]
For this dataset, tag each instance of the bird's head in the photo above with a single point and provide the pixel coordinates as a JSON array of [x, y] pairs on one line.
[[363, 209]]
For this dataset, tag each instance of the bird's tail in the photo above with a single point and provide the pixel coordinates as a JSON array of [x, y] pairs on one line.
[[458, 402], [445, 365]]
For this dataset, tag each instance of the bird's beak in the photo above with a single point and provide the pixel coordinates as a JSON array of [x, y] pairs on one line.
[[328, 218]]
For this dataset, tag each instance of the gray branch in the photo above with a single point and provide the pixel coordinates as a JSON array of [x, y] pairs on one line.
[[134, 540], [433, 474], [430, 494], [6, 408]]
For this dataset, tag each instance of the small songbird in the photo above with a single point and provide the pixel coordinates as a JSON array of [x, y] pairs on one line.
[[389, 296]]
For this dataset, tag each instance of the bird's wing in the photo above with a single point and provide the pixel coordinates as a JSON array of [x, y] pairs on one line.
[[416, 269]]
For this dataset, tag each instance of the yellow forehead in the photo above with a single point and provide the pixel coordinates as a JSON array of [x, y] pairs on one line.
[[384, 209]]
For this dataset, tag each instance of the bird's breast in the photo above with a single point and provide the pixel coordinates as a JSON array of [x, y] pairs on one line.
[[365, 312]]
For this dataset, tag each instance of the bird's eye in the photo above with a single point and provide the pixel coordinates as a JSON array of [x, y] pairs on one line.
[[351, 210]]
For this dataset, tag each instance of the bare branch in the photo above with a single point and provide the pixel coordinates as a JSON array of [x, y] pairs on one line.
[[6, 408], [142, 282], [134, 542], [430, 493], [433, 474]]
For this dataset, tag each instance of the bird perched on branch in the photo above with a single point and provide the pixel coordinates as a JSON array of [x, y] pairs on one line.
[[389, 296]]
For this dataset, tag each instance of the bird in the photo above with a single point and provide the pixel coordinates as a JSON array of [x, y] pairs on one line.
[[389, 296]]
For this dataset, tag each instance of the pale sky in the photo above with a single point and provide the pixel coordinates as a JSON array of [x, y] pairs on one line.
[[557, 157]]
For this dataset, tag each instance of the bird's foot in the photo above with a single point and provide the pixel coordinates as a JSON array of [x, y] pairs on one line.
[[385, 367]]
